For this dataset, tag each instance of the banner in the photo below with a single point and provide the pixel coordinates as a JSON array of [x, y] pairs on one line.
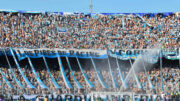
[[76, 81], [67, 83], [40, 82], [12, 72], [93, 97], [62, 97], [5, 79], [113, 78], [49, 72], [100, 78], [54, 53], [172, 54], [126, 54], [21, 72], [121, 75], [85, 76]]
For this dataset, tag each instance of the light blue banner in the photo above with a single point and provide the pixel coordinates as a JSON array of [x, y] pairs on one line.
[[121, 75], [136, 78], [5, 79], [171, 54], [76, 81], [85, 76], [41, 84], [99, 75], [17, 81], [21, 72], [52, 78], [67, 83], [113, 79], [21, 53], [54, 53]]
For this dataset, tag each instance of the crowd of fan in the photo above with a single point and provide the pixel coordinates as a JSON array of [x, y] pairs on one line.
[[88, 32], [171, 81]]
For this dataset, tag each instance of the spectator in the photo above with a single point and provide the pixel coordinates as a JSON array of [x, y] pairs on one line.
[[85, 32]]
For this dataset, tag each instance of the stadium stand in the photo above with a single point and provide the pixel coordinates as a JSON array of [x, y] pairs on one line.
[[72, 75], [171, 74], [88, 32]]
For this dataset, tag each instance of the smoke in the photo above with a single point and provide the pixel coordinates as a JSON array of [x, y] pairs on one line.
[[142, 63]]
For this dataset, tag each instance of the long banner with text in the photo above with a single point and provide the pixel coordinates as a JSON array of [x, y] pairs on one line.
[[22, 53]]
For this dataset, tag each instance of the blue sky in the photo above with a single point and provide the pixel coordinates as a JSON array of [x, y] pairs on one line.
[[99, 6]]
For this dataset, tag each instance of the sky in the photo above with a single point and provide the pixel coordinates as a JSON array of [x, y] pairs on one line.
[[99, 6]]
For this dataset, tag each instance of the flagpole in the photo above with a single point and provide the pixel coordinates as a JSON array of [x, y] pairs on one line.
[[91, 6]]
